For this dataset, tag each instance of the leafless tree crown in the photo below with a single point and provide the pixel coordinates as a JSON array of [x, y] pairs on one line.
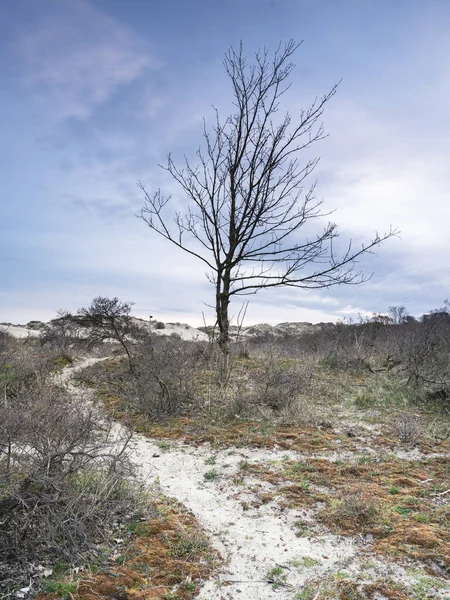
[[247, 200]]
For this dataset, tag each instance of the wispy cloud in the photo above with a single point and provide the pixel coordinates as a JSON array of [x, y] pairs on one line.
[[78, 56]]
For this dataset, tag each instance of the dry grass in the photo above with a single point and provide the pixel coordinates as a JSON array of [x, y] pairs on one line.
[[351, 590], [313, 421], [341, 587]]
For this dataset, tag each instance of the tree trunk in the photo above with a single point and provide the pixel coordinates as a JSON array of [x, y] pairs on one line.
[[121, 338], [223, 322]]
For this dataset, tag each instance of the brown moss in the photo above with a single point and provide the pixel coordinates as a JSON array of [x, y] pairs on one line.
[[295, 496], [350, 590], [250, 434], [426, 542], [422, 535]]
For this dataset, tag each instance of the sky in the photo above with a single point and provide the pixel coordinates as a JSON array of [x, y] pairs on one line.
[[94, 94]]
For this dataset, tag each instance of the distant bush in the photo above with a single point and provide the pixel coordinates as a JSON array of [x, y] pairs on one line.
[[35, 325], [159, 325]]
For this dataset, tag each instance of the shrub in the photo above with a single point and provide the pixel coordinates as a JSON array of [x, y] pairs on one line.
[[278, 385], [63, 332], [354, 509], [63, 479], [299, 411], [408, 428], [35, 325], [163, 380]]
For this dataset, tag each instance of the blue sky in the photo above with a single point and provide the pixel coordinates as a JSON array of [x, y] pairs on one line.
[[94, 94]]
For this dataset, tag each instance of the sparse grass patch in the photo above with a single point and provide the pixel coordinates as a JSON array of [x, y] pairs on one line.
[[301, 527], [276, 576], [426, 587], [211, 475], [274, 572], [62, 589], [307, 593], [187, 546], [421, 518], [365, 400], [163, 445], [304, 561]]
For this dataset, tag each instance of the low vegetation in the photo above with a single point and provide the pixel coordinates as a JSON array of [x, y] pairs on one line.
[[366, 405]]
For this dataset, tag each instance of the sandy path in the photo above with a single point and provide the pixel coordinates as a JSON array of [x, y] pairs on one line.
[[252, 541]]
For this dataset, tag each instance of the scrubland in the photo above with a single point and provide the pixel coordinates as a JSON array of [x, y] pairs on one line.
[[317, 468]]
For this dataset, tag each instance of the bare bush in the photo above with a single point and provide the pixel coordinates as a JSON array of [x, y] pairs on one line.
[[63, 478], [299, 411], [52, 446], [243, 403], [280, 381], [354, 507], [162, 381], [62, 333], [22, 361], [408, 428], [278, 384], [109, 318]]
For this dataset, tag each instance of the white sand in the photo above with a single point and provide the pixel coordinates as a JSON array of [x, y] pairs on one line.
[[19, 332], [252, 541], [186, 332]]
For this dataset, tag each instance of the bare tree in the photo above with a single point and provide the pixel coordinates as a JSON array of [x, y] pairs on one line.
[[61, 331], [108, 318], [247, 200], [398, 314]]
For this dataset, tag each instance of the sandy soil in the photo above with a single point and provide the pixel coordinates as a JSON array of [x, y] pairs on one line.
[[252, 540], [19, 332], [186, 332]]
